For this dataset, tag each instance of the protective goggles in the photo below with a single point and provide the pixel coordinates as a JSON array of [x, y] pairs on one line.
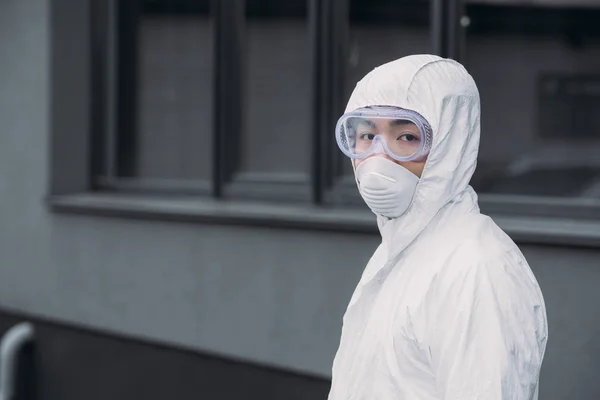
[[404, 135]]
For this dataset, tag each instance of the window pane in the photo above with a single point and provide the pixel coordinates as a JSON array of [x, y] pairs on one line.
[[382, 31], [538, 72], [276, 139], [175, 93]]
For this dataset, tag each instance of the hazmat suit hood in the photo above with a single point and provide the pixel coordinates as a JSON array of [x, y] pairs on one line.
[[444, 93]]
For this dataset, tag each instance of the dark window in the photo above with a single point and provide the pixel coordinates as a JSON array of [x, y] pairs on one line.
[[174, 95], [239, 99], [275, 137], [538, 72], [156, 112]]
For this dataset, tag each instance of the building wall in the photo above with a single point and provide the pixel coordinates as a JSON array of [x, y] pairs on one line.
[[265, 295]]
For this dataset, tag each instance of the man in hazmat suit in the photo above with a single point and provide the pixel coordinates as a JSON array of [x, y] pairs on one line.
[[447, 307]]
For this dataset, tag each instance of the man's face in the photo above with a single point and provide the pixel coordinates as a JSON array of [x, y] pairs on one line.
[[402, 137]]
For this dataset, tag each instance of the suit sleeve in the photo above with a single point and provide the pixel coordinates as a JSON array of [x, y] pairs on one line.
[[486, 332]]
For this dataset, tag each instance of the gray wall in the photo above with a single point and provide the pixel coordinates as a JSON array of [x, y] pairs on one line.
[[273, 296]]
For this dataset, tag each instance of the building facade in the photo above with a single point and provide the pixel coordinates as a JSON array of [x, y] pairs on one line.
[[175, 219]]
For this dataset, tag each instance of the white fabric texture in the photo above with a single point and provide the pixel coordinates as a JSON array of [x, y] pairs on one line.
[[447, 307]]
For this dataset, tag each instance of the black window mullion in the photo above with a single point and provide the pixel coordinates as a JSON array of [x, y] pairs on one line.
[[456, 32], [339, 47], [437, 27], [318, 67], [127, 102], [446, 31], [329, 22], [99, 25], [229, 17]]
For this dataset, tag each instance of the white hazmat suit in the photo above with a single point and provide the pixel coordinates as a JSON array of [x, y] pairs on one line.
[[447, 307]]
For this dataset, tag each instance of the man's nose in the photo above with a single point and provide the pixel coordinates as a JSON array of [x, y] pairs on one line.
[[382, 155]]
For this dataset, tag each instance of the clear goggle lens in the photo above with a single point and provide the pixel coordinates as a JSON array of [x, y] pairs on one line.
[[402, 134]]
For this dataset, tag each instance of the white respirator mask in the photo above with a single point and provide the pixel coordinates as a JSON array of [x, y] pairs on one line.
[[386, 187]]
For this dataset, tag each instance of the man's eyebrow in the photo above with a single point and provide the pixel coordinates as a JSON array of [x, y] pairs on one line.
[[364, 121], [397, 122]]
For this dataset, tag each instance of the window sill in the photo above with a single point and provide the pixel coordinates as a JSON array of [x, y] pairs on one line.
[[206, 210], [524, 230]]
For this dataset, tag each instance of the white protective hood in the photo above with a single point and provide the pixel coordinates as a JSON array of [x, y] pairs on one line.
[[444, 93], [447, 307]]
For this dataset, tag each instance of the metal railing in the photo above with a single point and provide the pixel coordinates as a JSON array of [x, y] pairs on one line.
[[10, 347]]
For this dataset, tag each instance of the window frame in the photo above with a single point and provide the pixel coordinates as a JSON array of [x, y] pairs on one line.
[[114, 154], [74, 189], [114, 120]]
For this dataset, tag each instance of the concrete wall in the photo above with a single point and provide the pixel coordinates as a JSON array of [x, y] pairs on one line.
[[268, 295]]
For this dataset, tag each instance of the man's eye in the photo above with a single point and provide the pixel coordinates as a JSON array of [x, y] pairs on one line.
[[367, 136], [408, 137]]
